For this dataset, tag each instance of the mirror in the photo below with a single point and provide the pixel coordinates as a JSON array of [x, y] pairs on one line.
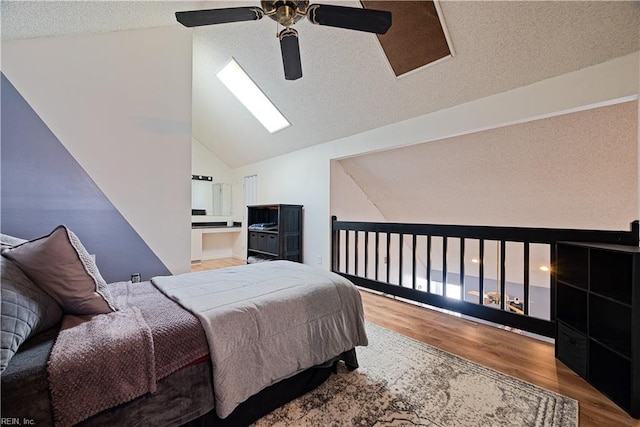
[[222, 199], [209, 198], [201, 197]]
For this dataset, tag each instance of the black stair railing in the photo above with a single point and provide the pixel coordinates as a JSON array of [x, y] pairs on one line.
[[367, 243]]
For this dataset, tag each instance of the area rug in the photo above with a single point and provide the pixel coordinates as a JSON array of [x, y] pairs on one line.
[[403, 382]]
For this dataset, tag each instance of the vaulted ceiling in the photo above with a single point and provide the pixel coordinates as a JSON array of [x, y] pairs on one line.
[[348, 86]]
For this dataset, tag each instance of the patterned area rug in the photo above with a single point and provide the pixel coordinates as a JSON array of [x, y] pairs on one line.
[[403, 382]]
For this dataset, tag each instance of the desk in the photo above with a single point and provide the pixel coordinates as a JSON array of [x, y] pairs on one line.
[[213, 242]]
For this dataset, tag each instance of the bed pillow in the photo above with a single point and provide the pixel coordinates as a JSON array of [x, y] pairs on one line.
[[26, 310], [58, 264]]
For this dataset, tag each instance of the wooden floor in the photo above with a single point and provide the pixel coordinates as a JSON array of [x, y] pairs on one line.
[[212, 264], [519, 356]]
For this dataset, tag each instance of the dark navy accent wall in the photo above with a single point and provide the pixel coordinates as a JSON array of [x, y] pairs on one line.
[[43, 186]]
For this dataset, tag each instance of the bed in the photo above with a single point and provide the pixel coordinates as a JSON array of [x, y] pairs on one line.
[[215, 348]]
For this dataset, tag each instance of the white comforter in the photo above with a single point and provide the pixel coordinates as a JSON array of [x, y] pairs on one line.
[[268, 321]]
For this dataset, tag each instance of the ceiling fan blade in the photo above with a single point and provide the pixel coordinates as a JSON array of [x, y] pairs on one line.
[[290, 54], [351, 18], [196, 18]]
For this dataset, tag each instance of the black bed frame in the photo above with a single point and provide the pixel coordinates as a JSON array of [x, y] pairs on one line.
[[266, 400], [276, 395]]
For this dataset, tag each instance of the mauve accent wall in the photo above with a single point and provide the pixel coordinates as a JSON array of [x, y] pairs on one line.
[[43, 186]]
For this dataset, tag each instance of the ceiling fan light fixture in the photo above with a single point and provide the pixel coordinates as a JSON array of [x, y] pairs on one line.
[[285, 12], [250, 95], [285, 15]]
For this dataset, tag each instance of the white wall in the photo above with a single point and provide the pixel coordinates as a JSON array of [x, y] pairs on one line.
[[120, 102], [348, 201], [299, 178], [205, 162], [304, 176]]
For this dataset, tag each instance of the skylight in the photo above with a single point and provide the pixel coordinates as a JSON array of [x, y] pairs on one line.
[[250, 95]]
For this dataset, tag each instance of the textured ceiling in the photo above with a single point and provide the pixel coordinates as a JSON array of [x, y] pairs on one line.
[[348, 86], [518, 175]]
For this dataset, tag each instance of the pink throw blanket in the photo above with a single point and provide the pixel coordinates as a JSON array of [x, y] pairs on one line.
[[103, 361], [117, 346]]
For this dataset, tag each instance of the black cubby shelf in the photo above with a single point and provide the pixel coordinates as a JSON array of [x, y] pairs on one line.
[[598, 317], [280, 236]]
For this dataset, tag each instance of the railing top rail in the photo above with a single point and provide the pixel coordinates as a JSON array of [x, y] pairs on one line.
[[513, 234]]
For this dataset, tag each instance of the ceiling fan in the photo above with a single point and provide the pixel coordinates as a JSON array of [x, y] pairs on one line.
[[287, 13]]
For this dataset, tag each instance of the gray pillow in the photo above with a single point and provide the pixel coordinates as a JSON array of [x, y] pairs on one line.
[[62, 267], [26, 310]]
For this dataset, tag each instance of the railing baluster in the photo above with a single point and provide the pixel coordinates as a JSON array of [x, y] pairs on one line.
[[444, 265], [388, 259], [462, 282], [336, 249], [346, 250], [481, 273], [366, 254], [356, 253], [503, 294], [400, 255], [377, 261], [525, 298], [413, 263], [429, 263], [552, 257]]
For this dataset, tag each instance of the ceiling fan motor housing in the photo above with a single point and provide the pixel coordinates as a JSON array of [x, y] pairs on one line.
[[285, 12]]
